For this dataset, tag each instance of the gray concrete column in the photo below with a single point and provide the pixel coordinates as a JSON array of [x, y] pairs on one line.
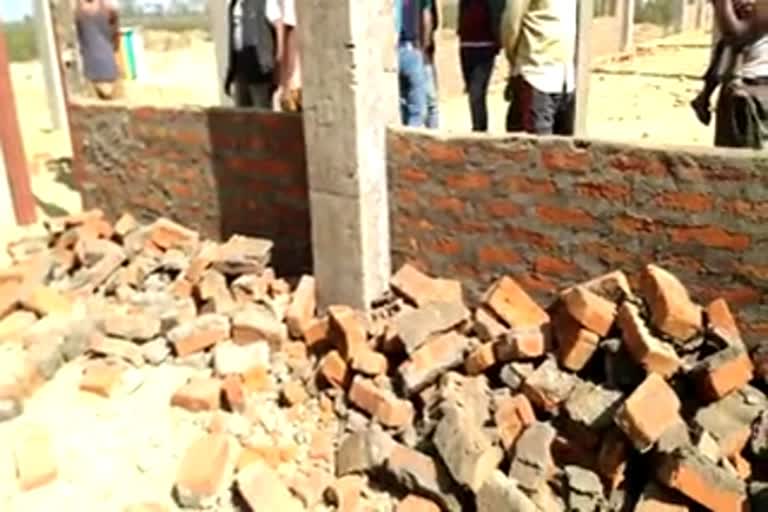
[[350, 96], [217, 16], [49, 58], [628, 26], [583, 65]]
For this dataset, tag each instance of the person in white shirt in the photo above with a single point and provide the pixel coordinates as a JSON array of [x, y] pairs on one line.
[[539, 39], [282, 14]]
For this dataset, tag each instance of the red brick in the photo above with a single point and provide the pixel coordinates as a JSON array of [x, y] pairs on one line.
[[346, 493], [369, 362], [382, 404], [206, 331], [167, 234], [120, 349], [213, 290], [590, 310], [257, 379], [293, 393], [575, 345], [503, 208], [322, 446], [649, 411], [557, 159], [520, 184], [685, 201], [469, 180], [564, 216], [723, 372], [448, 203], [432, 359], [234, 393], [204, 469], [317, 332], [634, 225], [612, 458], [348, 330], [672, 310], [721, 322], [36, 464], [550, 265], [495, 255], [414, 285], [711, 236], [652, 353], [525, 343], [445, 152], [480, 359], [249, 326], [639, 164], [513, 415], [610, 191], [515, 307], [301, 312], [750, 210], [658, 499], [536, 239], [126, 224], [334, 369], [414, 503], [101, 379], [445, 246], [414, 175], [198, 395], [703, 482]]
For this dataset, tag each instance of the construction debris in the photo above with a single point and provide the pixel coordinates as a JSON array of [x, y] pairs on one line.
[[608, 399]]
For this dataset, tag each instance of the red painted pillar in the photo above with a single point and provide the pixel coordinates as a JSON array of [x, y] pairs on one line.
[[12, 146]]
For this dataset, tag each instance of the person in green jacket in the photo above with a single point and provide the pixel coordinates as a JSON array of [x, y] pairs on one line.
[[479, 44]]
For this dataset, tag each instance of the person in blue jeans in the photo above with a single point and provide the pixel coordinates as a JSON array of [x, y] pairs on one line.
[[413, 24], [433, 112]]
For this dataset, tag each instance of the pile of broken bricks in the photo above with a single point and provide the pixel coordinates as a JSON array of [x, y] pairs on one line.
[[615, 397]]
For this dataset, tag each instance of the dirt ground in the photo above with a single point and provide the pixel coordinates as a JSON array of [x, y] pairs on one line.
[[642, 99]]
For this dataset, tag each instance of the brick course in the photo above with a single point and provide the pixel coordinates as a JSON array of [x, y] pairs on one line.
[[579, 209]]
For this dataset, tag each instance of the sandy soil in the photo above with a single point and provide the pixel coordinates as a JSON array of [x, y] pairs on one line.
[[643, 99]]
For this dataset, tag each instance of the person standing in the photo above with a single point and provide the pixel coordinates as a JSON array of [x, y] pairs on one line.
[[539, 39], [741, 115], [252, 55], [433, 100], [98, 35], [413, 25], [282, 14], [479, 43]]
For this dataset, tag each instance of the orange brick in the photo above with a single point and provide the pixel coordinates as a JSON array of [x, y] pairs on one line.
[[415, 503], [125, 224], [317, 332], [590, 310], [652, 353], [301, 312], [382, 404], [671, 308], [369, 362], [513, 305], [101, 379], [199, 340], [334, 370], [658, 499], [702, 481], [234, 393], [481, 359], [293, 393], [720, 321], [167, 234], [414, 285], [36, 464], [513, 415], [269, 454], [575, 345], [346, 493], [44, 300], [348, 330], [741, 465], [322, 446], [525, 343], [198, 395], [203, 471], [121, 349], [723, 372], [257, 379], [262, 489], [649, 411], [612, 286]]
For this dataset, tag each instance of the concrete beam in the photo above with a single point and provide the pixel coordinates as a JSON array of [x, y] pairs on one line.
[[350, 97], [218, 14], [49, 58], [583, 66]]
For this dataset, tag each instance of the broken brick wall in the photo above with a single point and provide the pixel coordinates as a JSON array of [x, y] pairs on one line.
[[218, 170], [552, 213]]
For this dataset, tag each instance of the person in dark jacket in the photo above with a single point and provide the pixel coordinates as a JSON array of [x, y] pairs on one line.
[[253, 55], [98, 35], [479, 44]]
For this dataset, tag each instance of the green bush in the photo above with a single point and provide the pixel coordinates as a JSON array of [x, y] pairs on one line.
[[658, 12], [20, 41]]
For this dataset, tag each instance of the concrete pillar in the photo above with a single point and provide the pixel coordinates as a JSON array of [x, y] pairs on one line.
[[628, 26], [218, 17], [350, 96], [583, 66], [49, 58]]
